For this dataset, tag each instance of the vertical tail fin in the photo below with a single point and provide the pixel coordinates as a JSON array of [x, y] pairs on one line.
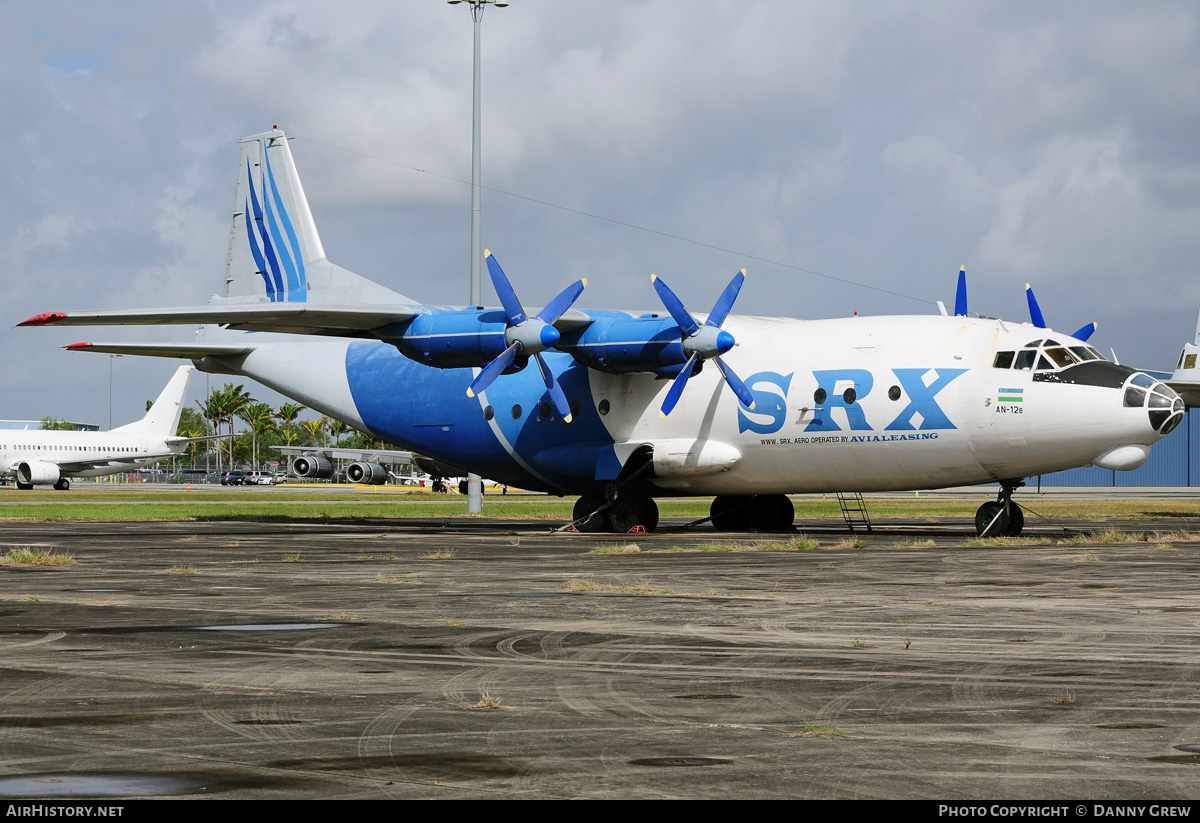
[[274, 248], [163, 416]]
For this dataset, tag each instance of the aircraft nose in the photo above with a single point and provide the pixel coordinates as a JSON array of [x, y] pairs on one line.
[[1164, 407]]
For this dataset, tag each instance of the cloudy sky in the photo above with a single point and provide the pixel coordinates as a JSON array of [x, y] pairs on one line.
[[850, 155]]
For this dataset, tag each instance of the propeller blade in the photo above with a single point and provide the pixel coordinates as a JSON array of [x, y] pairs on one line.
[[1035, 313], [683, 318], [1086, 332], [493, 370], [504, 289], [960, 296], [677, 386], [556, 393], [739, 388], [562, 301], [725, 302]]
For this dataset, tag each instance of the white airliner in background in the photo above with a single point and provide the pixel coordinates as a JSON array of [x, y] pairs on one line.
[[37, 457], [588, 402]]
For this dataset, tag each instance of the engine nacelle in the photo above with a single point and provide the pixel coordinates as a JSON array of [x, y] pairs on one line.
[[37, 473], [312, 467], [615, 342], [370, 473], [452, 339]]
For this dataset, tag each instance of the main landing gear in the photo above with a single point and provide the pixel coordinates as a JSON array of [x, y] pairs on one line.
[[1001, 517], [622, 514], [752, 512]]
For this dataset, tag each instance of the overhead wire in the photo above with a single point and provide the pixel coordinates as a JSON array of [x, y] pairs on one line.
[[616, 222]]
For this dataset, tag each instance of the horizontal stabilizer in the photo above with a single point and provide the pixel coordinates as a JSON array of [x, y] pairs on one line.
[[183, 351], [289, 318]]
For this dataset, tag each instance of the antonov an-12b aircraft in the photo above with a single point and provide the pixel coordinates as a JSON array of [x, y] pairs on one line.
[[619, 407], [37, 457]]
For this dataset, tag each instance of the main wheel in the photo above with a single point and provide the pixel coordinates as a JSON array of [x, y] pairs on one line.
[[1016, 521], [730, 513], [586, 521], [771, 513], [626, 512], [651, 514], [63, 484], [992, 520]]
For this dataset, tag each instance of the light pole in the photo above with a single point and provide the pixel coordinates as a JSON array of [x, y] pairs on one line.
[[111, 358], [474, 484]]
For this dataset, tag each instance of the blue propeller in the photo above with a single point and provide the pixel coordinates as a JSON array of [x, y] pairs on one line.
[[703, 342], [960, 296], [527, 336], [1035, 314]]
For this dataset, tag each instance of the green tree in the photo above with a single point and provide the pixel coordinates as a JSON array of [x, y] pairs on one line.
[[230, 400], [259, 417], [56, 424]]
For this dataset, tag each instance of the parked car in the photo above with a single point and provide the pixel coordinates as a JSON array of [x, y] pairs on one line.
[[281, 477], [259, 479], [233, 478]]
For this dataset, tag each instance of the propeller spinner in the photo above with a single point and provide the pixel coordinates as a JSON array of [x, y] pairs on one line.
[[527, 336], [703, 342]]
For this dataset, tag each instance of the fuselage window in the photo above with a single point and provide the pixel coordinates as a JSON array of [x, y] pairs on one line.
[[1025, 359], [1189, 362], [1004, 360]]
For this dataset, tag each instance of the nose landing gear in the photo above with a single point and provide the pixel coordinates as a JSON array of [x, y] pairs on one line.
[[1001, 517]]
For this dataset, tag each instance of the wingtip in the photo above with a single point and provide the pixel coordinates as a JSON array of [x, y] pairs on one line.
[[43, 318], [77, 346]]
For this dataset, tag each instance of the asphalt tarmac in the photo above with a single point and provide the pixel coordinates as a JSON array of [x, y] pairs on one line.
[[477, 658]]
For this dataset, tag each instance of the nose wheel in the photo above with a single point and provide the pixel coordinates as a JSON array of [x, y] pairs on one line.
[[1001, 517]]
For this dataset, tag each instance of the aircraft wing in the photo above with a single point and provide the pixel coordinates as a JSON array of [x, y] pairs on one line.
[[370, 455], [354, 320]]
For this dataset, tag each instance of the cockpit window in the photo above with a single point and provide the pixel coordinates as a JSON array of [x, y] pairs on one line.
[[1085, 353], [1025, 359], [1134, 398], [1061, 356], [1143, 380], [1003, 360], [1189, 362], [1033, 344], [1044, 364]]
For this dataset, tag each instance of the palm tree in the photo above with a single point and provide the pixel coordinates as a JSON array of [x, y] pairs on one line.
[[258, 417], [314, 428], [212, 412], [337, 428], [231, 400]]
